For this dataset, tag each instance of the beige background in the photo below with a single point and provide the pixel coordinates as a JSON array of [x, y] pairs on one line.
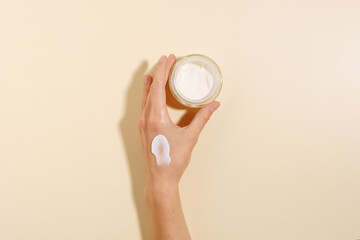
[[279, 160]]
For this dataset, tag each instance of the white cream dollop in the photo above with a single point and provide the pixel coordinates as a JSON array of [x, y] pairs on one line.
[[161, 149], [194, 81]]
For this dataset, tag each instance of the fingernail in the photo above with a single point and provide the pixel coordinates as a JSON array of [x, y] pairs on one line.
[[162, 59], [214, 107], [171, 57], [147, 79]]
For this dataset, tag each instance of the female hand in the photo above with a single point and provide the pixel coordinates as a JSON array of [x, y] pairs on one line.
[[155, 120], [161, 186]]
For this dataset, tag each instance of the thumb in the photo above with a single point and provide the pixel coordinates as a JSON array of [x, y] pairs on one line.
[[202, 117]]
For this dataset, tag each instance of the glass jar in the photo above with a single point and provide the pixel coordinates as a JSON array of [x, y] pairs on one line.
[[195, 80]]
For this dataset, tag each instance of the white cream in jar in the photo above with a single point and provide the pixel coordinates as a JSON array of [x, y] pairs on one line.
[[195, 80]]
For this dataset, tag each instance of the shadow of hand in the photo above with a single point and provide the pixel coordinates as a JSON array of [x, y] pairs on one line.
[[129, 132]]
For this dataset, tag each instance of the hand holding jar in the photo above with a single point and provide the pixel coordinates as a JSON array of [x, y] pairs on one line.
[[166, 150]]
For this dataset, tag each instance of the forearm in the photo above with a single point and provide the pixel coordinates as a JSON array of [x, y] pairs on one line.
[[167, 218]]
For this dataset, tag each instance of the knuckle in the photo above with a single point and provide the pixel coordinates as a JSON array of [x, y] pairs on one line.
[[206, 116], [154, 122], [156, 87], [142, 123]]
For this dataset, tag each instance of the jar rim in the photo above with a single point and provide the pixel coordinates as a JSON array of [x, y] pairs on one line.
[[190, 103]]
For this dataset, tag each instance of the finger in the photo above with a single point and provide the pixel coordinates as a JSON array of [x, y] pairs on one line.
[[201, 118], [147, 84], [158, 95], [171, 61], [156, 92]]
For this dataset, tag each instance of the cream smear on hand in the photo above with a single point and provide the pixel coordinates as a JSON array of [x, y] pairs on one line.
[[161, 149]]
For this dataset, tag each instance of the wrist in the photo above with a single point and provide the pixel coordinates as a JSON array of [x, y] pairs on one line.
[[159, 192]]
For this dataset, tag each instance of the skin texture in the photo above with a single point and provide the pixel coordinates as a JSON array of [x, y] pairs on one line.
[[162, 182]]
